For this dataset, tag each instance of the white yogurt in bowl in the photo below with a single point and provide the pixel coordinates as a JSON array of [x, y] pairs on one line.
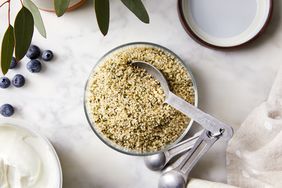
[[27, 160]]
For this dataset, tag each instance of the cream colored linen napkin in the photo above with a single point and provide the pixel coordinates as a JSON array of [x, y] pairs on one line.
[[254, 154]]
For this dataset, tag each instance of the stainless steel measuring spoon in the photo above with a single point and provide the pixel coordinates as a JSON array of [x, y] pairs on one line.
[[207, 121], [214, 129], [160, 160], [177, 175]]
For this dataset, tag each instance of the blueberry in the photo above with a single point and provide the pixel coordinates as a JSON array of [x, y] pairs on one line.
[[33, 66], [33, 52], [18, 80], [7, 110], [47, 55], [4, 82], [13, 63]]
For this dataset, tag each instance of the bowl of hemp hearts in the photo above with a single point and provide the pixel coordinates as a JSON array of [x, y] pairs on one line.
[[125, 105]]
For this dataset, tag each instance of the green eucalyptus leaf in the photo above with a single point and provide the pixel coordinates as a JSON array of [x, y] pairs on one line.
[[137, 7], [7, 49], [102, 9], [36, 16], [61, 6], [24, 26]]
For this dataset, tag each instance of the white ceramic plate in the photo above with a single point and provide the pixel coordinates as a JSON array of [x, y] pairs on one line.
[[49, 148], [224, 23]]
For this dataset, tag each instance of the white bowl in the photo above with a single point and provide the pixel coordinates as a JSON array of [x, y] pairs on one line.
[[23, 125]]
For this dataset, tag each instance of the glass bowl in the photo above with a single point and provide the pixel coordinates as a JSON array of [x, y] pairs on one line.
[[103, 138]]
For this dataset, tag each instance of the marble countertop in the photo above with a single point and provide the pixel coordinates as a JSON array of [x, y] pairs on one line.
[[230, 85]]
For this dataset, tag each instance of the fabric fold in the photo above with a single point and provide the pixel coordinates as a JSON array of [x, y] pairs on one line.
[[254, 154]]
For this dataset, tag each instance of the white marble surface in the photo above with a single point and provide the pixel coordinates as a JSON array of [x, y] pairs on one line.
[[230, 85]]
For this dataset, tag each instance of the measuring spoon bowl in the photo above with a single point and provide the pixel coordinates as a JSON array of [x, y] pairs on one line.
[[160, 160]]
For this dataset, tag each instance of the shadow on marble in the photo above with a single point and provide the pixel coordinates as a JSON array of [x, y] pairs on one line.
[[208, 168], [76, 175]]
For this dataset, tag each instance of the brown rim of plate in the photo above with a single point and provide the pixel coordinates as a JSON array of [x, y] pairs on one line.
[[204, 43], [73, 7]]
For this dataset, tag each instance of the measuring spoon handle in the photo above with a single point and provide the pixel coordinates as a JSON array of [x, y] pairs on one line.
[[183, 146], [207, 121], [205, 142]]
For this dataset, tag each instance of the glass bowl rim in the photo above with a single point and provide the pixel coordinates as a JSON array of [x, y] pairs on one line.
[[109, 143]]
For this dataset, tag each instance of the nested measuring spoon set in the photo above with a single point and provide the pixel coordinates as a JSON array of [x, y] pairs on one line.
[[191, 149]]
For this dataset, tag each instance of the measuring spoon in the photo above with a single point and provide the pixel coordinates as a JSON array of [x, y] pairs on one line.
[[207, 121], [160, 160], [177, 176]]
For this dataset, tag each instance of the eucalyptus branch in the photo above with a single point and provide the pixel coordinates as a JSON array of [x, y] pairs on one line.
[[29, 16], [9, 12]]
